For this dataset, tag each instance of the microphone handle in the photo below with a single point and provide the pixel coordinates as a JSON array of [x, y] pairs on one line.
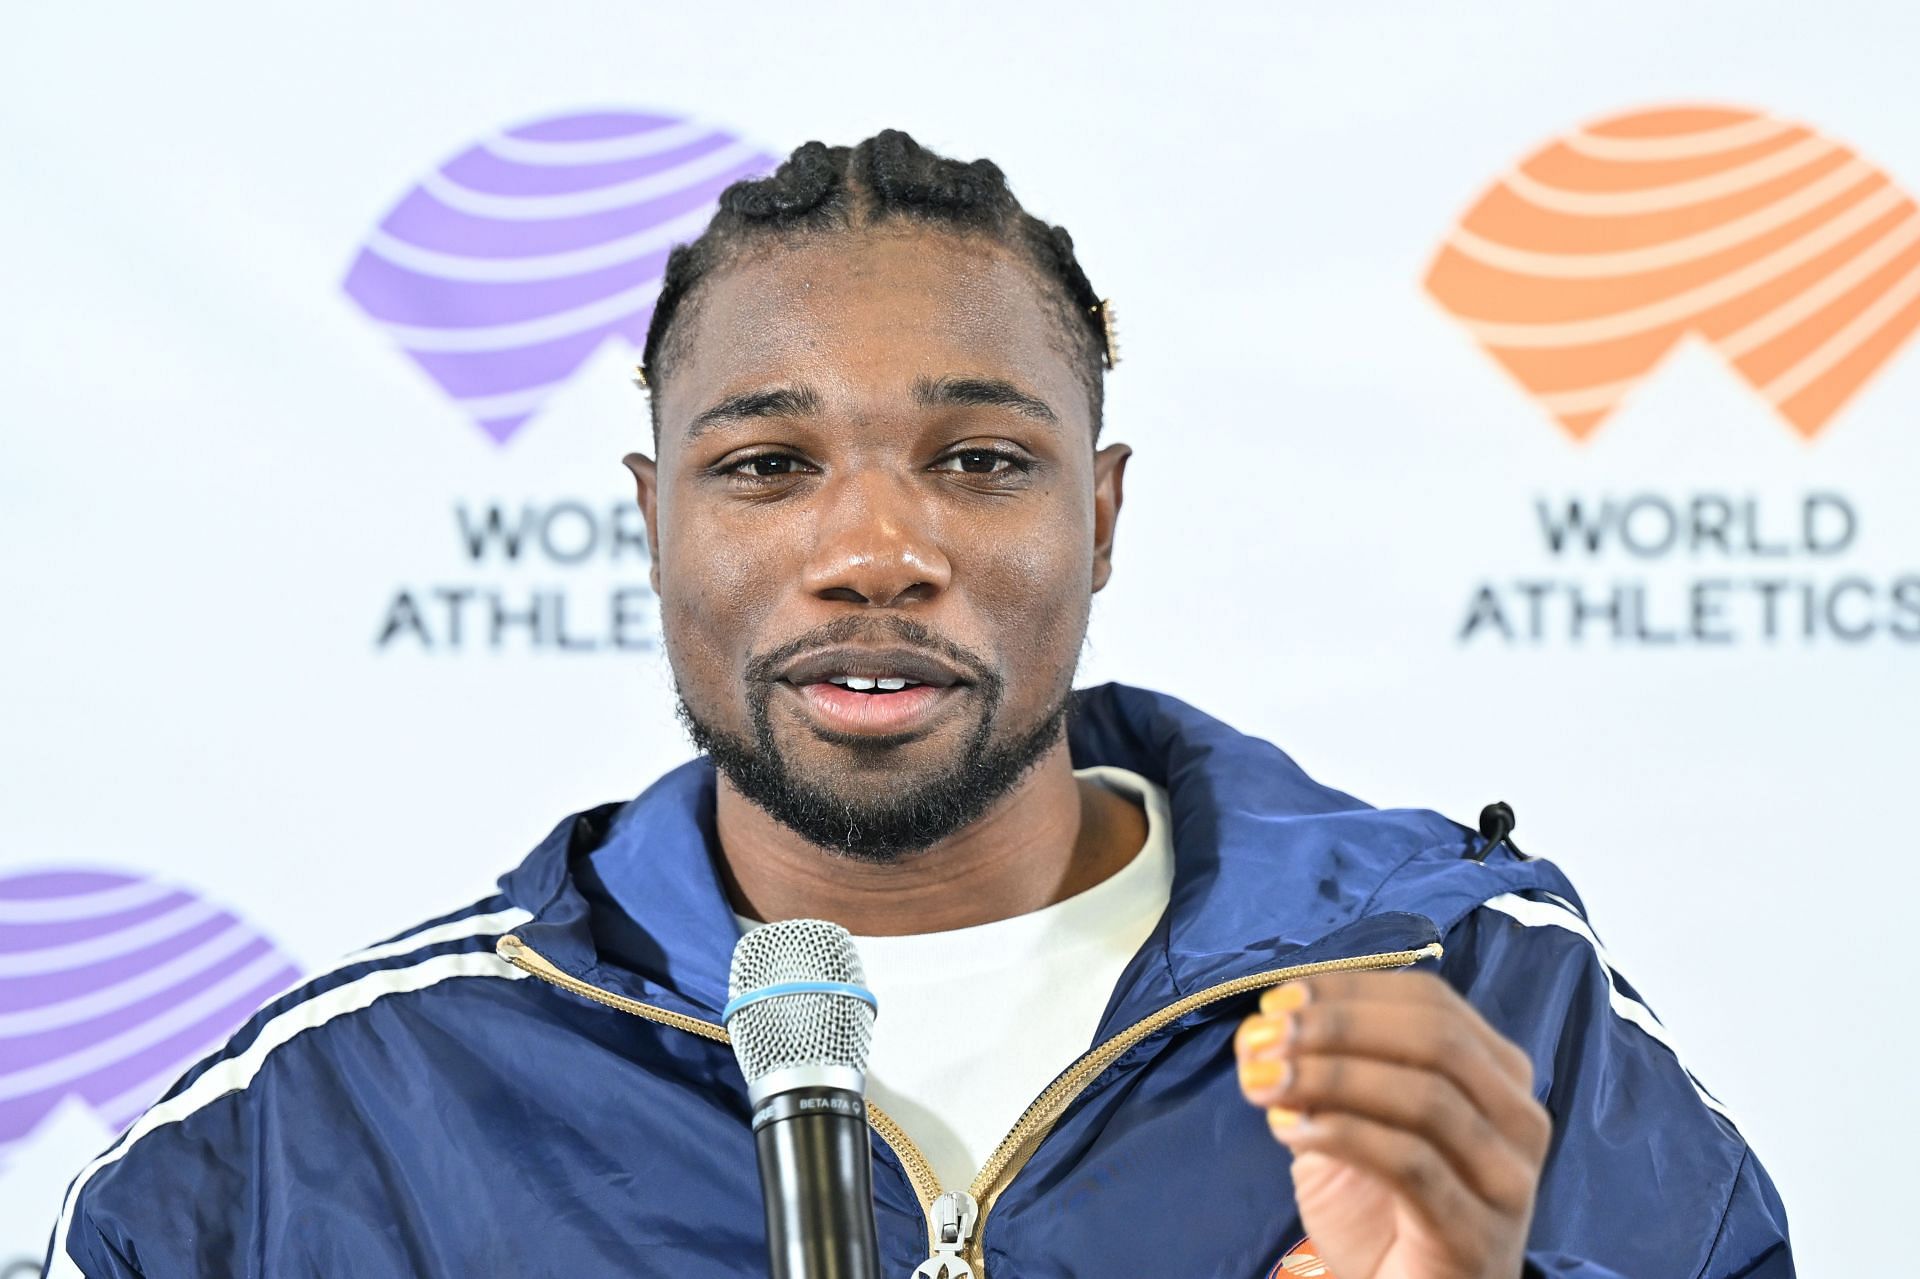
[[816, 1178]]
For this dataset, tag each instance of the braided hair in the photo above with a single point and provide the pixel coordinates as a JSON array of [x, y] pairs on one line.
[[821, 189]]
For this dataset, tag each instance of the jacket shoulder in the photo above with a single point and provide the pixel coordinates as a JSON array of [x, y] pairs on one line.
[[1638, 1137], [189, 1157]]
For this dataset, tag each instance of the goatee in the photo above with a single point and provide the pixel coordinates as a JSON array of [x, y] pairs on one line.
[[881, 825]]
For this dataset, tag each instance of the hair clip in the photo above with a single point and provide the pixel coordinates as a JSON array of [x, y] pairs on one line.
[[1104, 309], [640, 376]]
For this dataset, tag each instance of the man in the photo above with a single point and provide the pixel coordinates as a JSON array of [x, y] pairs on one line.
[[1100, 925]]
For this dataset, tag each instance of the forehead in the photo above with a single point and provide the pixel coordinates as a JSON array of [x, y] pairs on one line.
[[860, 315]]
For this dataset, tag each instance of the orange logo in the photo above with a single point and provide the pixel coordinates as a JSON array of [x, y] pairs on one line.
[[1301, 1262], [1796, 259]]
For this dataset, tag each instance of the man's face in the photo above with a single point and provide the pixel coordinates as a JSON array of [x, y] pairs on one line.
[[877, 521]]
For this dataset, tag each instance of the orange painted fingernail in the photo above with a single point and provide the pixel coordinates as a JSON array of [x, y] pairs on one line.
[[1283, 999], [1260, 1076], [1282, 1120], [1257, 1033]]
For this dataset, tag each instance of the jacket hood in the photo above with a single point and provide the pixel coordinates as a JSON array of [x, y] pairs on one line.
[[1268, 865]]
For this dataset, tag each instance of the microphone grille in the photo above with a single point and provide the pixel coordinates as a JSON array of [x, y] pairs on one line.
[[810, 1029]]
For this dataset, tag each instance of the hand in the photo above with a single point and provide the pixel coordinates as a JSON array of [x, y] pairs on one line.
[[1417, 1142]]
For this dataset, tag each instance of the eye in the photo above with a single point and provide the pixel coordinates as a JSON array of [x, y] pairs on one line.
[[765, 466], [981, 462]]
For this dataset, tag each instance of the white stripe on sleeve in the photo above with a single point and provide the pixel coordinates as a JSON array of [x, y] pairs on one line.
[[236, 1073], [1558, 914], [502, 921]]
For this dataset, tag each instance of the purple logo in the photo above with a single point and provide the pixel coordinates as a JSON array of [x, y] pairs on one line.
[[506, 267], [110, 986]]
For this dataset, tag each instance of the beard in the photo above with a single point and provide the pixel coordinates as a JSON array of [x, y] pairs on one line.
[[868, 825]]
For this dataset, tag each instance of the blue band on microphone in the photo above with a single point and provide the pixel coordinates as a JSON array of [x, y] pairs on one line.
[[780, 988]]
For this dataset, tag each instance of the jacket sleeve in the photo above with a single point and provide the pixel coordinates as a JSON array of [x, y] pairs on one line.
[[89, 1251], [1647, 1176]]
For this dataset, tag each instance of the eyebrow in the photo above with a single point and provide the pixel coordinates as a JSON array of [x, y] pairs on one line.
[[928, 392], [987, 391], [782, 401]]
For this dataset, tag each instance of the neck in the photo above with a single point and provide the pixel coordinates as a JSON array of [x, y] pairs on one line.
[[1047, 839]]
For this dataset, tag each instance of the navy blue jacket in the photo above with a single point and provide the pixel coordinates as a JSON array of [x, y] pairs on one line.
[[538, 1085]]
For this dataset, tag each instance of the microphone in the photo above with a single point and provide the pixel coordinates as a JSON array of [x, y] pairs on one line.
[[801, 1021]]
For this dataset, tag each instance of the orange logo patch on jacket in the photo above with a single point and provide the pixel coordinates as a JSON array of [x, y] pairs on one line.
[[1302, 1261]]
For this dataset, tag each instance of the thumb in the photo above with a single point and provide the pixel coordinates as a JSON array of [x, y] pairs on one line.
[[1346, 1212]]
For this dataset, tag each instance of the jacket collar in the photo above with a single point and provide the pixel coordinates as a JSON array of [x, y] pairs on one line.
[[1269, 865]]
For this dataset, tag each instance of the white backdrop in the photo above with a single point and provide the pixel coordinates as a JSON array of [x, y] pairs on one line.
[[219, 472]]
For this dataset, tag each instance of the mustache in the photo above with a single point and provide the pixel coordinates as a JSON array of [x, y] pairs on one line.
[[762, 668]]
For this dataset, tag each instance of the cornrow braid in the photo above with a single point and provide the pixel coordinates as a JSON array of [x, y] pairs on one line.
[[823, 189]]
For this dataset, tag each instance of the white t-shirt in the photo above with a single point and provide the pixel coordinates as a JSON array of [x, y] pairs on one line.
[[975, 1022]]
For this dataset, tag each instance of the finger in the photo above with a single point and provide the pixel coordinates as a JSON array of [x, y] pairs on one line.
[[1432, 1038], [1416, 1173], [1428, 1105], [1404, 986], [1420, 989]]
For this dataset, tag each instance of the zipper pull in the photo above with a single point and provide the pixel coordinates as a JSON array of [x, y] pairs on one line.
[[954, 1216]]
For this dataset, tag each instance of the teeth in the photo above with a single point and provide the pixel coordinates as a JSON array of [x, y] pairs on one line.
[[864, 684]]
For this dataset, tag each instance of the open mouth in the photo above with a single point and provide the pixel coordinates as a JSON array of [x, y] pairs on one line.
[[873, 706], [873, 692]]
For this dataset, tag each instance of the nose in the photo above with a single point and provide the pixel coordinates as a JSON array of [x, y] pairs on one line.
[[876, 545]]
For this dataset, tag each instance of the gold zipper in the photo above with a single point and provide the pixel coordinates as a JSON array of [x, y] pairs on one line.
[[1011, 1155]]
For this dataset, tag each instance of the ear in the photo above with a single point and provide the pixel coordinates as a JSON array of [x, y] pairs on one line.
[[646, 482], [1109, 474]]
